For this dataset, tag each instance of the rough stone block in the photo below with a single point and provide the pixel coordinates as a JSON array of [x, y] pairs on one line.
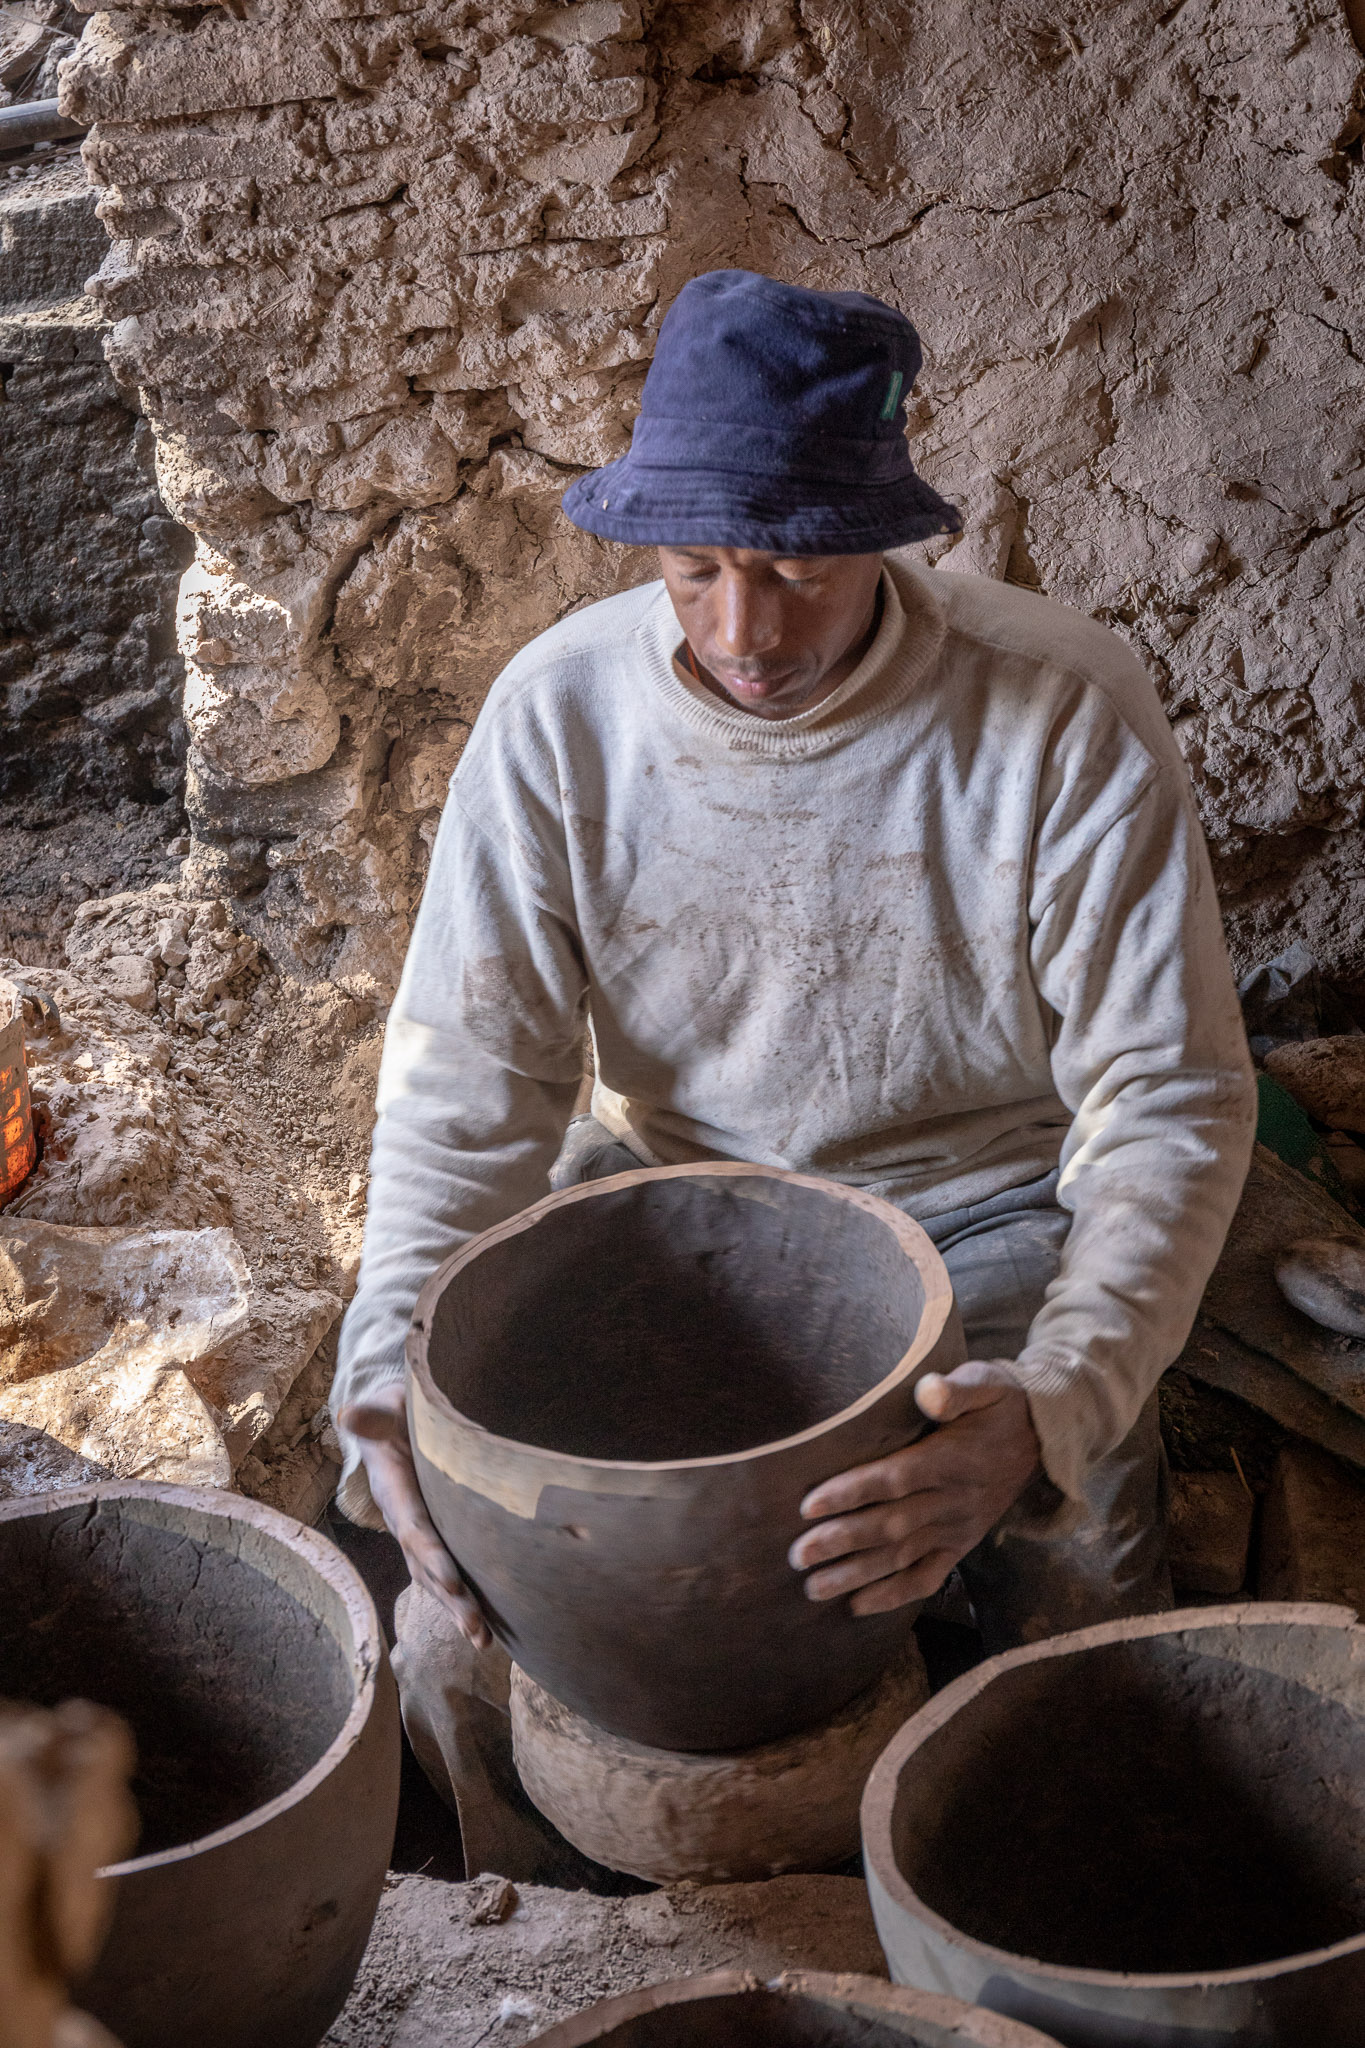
[[1325, 1076], [132, 979], [1313, 1534], [1209, 1532], [51, 240]]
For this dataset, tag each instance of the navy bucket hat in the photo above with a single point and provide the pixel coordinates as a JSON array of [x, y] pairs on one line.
[[772, 418]]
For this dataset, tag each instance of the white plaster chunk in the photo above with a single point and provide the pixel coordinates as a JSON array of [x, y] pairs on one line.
[[132, 979], [98, 1327]]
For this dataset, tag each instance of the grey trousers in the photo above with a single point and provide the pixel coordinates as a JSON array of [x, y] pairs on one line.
[[1025, 1581]]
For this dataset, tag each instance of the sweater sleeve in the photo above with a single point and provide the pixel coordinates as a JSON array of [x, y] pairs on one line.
[[1150, 1057], [482, 1061]]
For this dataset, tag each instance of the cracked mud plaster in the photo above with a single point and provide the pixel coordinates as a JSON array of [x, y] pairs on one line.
[[386, 275]]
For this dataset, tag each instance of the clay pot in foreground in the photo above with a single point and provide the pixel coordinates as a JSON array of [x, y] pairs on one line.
[[618, 1400], [800, 2009], [246, 1656], [1149, 1834]]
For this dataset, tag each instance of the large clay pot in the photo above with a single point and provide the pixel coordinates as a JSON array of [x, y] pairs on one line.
[[618, 1400], [801, 2009], [1149, 1834], [247, 1657]]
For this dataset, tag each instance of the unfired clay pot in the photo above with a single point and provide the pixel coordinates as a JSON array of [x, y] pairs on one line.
[[671, 1815], [618, 1400], [246, 1655], [1149, 1834], [800, 2009]]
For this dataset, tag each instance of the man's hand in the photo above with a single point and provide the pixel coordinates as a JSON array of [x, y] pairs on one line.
[[381, 1422], [898, 1526]]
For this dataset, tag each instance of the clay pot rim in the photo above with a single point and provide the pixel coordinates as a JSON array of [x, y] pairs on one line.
[[582, 2029], [879, 1797], [365, 1654], [914, 1241]]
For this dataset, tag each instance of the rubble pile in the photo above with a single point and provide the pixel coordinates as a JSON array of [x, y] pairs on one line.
[[185, 961], [159, 1133]]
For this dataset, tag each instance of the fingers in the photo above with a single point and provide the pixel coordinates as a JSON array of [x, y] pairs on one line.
[[884, 1479], [393, 1483], [873, 1529], [936, 1461], [980, 1383], [921, 1582], [891, 1560], [435, 1570], [380, 1418]]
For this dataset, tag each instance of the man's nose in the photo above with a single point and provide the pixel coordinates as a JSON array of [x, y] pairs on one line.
[[749, 621]]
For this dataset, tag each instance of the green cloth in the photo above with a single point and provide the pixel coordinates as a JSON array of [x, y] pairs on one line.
[[1287, 1131]]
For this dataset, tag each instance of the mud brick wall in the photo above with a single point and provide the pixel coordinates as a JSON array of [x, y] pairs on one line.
[[385, 275]]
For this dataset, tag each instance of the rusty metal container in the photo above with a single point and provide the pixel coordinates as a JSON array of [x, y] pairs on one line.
[[618, 1400], [800, 2009], [1149, 1834], [246, 1656], [18, 1145]]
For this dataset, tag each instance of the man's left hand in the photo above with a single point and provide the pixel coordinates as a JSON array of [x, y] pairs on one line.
[[898, 1526]]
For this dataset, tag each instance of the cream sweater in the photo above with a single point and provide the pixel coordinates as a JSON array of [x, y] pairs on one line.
[[949, 928]]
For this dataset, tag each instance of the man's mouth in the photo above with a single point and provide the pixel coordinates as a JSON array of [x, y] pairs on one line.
[[766, 684]]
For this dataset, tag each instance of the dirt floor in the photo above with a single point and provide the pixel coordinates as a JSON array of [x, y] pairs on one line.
[[443, 1966]]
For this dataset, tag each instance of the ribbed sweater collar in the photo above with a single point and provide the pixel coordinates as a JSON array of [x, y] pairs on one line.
[[906, 644]]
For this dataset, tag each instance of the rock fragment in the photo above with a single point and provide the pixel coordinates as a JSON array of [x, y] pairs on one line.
[[491, 1901], [132, 979], [1325, 1076], [1313, 1537], [1209, 1532]]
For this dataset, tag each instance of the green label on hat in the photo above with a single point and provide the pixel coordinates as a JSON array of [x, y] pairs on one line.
[[892, 399]]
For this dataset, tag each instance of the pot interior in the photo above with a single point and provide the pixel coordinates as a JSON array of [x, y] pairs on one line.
[[1142, 1807], [233, 1688], [768, 2019], [686, 1318]]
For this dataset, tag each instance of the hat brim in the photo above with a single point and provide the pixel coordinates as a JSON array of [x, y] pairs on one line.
[[676, 508]]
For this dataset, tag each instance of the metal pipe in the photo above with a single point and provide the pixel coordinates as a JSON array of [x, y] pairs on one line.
[[35, 121]]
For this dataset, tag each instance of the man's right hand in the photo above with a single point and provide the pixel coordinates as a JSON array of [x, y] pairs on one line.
[[380, 1422]]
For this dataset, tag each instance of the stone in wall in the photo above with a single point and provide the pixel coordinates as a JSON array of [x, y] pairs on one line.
[[89, 560], [386, 275]]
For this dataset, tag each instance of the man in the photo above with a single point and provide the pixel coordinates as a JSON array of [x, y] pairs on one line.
[[854, 869]]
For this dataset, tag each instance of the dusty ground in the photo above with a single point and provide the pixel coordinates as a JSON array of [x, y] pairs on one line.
[[435, 1971]]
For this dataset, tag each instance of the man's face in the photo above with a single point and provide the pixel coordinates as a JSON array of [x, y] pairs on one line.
[[773, 633]]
